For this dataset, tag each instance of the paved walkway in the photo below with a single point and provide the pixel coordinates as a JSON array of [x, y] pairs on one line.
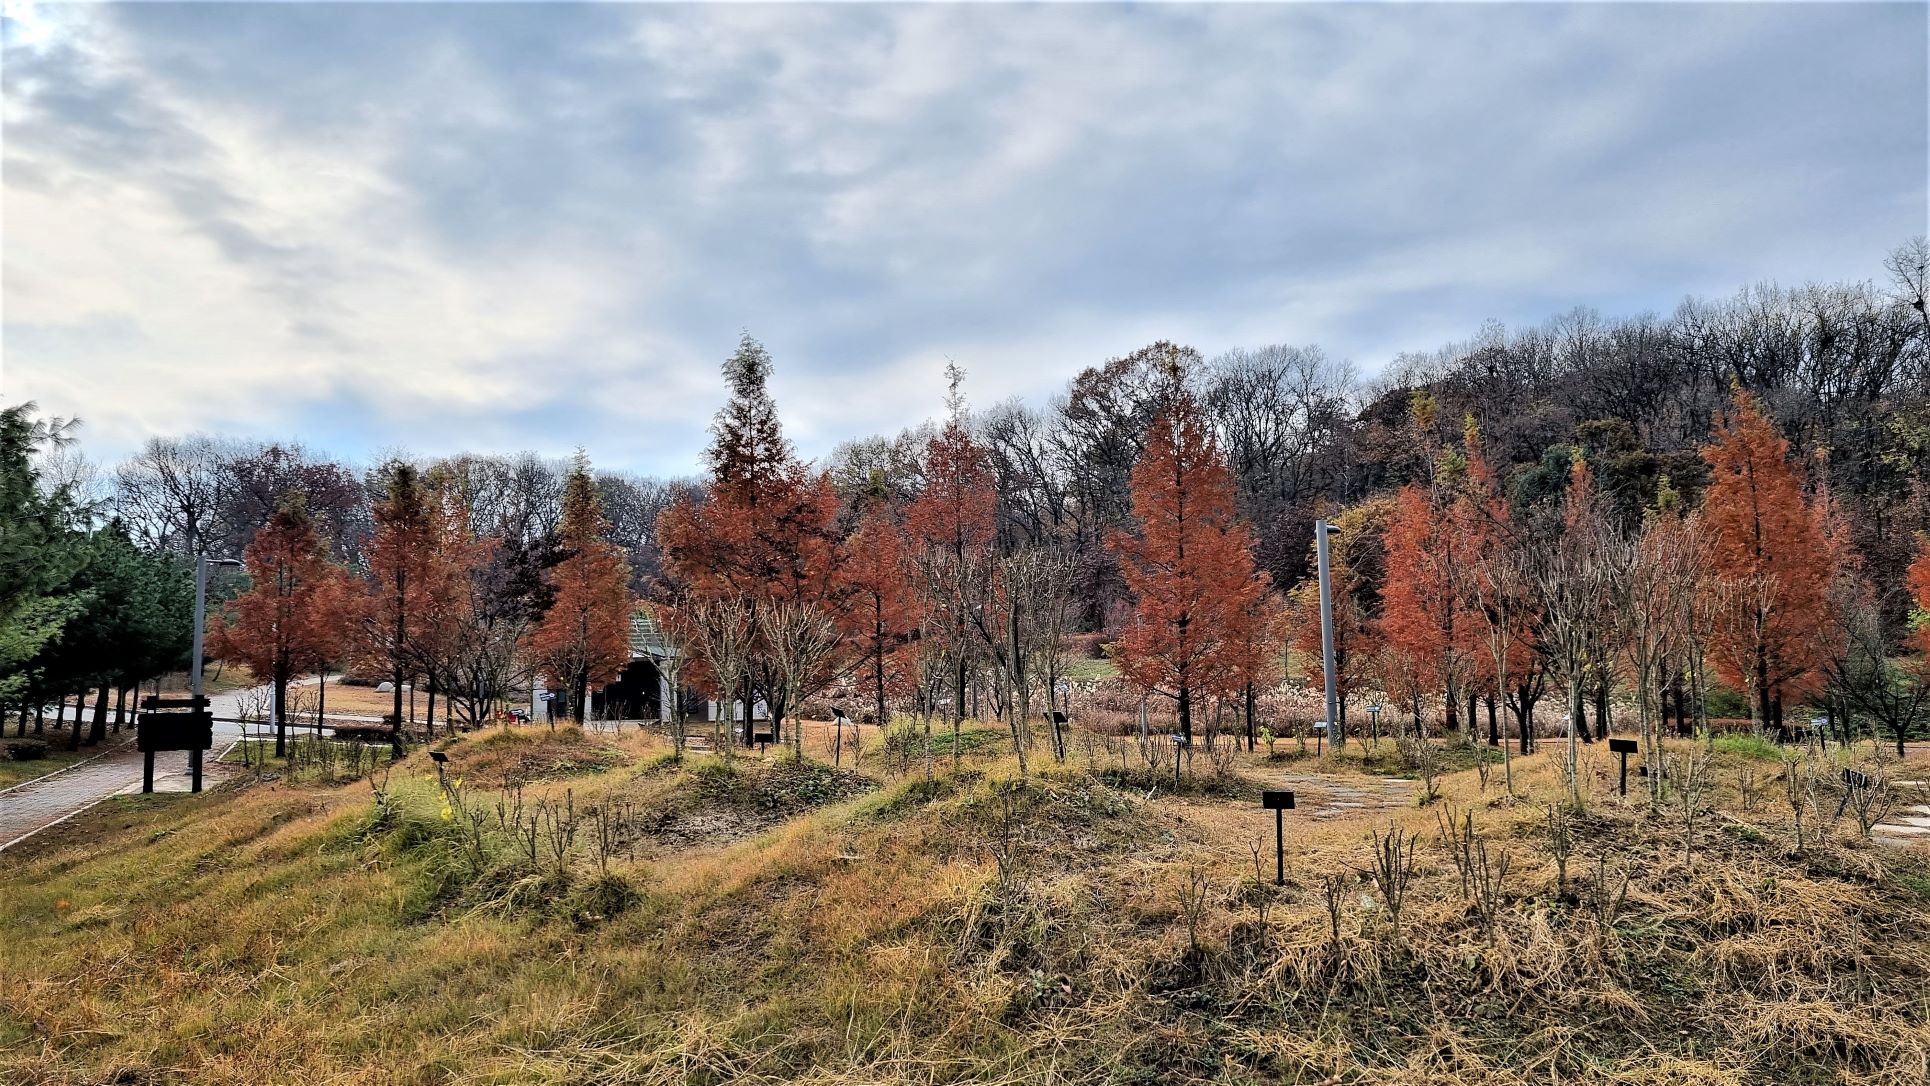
[[1908, 826], [1333, 796], [35, 805]]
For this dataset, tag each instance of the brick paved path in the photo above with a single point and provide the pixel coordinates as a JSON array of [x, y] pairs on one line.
[[37, 804]]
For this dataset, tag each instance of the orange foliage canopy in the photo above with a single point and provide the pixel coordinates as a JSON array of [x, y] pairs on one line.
[[1769, 546], [1199, 598], [763, 531], [583, 639], [287, 623], [952, 526], [882, 605], [1919, 581]]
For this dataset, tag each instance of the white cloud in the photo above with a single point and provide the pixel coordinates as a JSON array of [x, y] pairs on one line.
[[488, 224]]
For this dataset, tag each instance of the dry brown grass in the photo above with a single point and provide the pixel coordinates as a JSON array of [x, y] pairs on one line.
[[967, 932]]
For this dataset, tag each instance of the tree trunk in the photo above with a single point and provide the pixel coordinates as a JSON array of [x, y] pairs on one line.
[[1494, 722], [749, 727], [1251, 738], [98, 732], [73, 733], [431, 724], [395, 730], [1601, 711], [1186, 712], [878, 679], [120, 709], [281, 710], [1575, 731]]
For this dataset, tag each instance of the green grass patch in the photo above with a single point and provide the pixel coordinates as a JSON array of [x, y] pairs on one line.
[[1087, 669], [1748, 746], [52, 758]]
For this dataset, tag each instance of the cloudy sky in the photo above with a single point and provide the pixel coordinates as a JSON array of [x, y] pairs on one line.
[[503, 226]]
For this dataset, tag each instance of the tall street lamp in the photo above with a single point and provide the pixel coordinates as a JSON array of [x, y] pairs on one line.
[[1321, 529], [201, 564]]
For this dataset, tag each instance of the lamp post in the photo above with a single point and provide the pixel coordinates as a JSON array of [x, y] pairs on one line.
[[1321, 529], [201, 564]]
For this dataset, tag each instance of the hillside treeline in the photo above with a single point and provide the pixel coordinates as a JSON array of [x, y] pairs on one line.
[[1837, 373]]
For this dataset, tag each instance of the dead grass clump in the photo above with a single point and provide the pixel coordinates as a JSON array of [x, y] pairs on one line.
[[529, 755]]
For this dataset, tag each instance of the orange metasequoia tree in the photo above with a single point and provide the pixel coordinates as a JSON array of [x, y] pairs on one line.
[[401, 579], [762, 531], [1190, 566], [583, 640], [953, 525], [881, 611], [1419, 603], [285, 624], [1767, 543], [1918, 580]]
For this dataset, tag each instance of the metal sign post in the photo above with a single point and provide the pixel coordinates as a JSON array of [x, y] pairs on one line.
[[1623, 747], [1819, 729], [1279, 803], [1180, 743]]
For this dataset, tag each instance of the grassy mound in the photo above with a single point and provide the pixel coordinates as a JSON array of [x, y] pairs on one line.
[[968, 929], [527, 755]]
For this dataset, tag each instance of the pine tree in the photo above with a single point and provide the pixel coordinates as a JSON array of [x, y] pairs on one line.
[[40, 552], [1190, 566]]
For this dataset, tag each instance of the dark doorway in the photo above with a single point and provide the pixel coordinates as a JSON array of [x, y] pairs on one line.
[[636, 695]]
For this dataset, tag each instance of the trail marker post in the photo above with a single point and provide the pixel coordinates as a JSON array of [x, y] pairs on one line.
[[837, 748], [1623, 747], [1279, 803], [1180, 743]]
